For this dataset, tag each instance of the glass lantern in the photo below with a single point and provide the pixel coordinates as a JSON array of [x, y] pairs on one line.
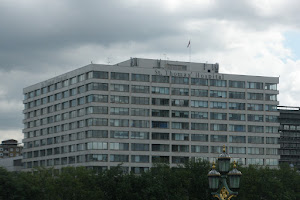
[[234, 177], [224, 162], [213, 178]]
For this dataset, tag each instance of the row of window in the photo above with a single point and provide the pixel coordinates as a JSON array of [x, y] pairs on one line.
[[154, 124], [145, 89], [116, 146], [146, 78], [146, 136], [136, 159], [146, 112]]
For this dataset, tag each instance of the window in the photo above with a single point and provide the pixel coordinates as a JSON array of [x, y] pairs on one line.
[[255, 96], [218, 105], [160, 113], [255, 161], [97, 122], [271, 97], [199, 104], [139, 147], [180, 125], [270, 107], [180, 148], [199, 81], [218, 83], [119, 134], [199, 137], [273, 162], [160, 136], [237, 84], [218, 138], [97, 145], [119, 111], [140, 123], [140, 135], [255, 129], [140, 112], [199, 149], [140, 89], [97, 110], [180, 136], [119, 76], [160, 159], [237, 128], [270, 86], [256, 140], [180, 80], [236, 106], [199, 126], [236, 117], [199, 115], [256, 107], [218, 127], [97, 86], [271, 140], [96, 157], [160, 124], [160, 79], [180, 159], [140, 100], [255, 118], [119, 158], [119, 99], [180, 114], [199, 93], [237, 150], [160, 102], [180, 102], [236, 95], [218, 94], [255, 85], [97, 98], [97, 134], [218, 116], [237, 139], [119, 146], [160, 90], [98, 74], [140, 77], [119, 122], [255, 151], [271, 118], [119, 87], [271, 129], [140, 159], [180, 91], [160, 147]]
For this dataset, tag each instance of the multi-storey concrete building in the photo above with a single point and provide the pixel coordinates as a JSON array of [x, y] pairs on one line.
[[289, 130], [143, 111], [10, 148]]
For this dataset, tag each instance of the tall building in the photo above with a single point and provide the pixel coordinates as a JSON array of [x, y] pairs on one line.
[[143, 111], [289, 135], [10, 148]]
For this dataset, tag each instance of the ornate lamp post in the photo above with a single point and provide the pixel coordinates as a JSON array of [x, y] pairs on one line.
[[217, 180]]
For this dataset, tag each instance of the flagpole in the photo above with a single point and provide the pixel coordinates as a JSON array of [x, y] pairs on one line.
[[190, 50]]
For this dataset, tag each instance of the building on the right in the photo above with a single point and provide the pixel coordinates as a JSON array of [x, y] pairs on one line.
[[289, 130]]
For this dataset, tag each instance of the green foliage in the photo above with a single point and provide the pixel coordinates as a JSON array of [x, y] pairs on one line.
[[188, 182]]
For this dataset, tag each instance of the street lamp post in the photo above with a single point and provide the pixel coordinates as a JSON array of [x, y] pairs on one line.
[[217, 180]]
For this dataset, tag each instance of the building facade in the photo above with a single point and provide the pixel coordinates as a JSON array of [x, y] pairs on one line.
[[142, 111], [10, 148], [289, 130]]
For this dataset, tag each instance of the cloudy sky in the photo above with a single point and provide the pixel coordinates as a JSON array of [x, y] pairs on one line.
[[40, 39]]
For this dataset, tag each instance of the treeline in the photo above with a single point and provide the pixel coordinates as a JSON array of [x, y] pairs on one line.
[[161, 182]]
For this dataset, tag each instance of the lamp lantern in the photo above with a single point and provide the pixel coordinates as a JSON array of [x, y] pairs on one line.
[[213, 178], [234, 177]]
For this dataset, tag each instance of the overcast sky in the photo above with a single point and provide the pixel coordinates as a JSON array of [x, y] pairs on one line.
[[41, 39]]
